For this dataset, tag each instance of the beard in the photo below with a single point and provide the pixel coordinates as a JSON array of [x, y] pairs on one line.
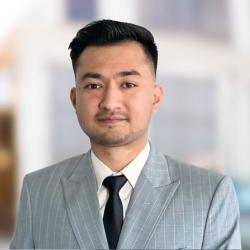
[[108, 140], [113, 138]]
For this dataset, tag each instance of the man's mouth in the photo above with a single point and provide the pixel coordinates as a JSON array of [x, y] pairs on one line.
[[111, 119]]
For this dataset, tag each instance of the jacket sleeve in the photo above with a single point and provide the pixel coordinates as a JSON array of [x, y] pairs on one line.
[[222, 229], [22, 238]]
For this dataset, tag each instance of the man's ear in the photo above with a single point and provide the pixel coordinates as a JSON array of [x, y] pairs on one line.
[[158, 93], [73, 96]]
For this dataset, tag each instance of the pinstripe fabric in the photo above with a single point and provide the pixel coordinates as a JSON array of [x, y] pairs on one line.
[[173, 206]]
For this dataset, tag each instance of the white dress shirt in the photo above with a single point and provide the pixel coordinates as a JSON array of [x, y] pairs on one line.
[[131, 172]]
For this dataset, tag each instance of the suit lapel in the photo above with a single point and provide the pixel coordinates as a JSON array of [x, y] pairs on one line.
[[152, 194], [82, 206]]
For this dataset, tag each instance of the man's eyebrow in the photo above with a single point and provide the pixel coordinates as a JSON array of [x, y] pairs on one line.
[[128, 73], [119, 74], [91, 75]]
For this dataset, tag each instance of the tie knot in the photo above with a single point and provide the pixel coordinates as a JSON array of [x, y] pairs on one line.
[[114, 183]]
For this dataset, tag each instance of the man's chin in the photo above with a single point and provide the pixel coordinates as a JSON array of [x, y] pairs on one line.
[[108, 141], [115, 138], [111, 142]]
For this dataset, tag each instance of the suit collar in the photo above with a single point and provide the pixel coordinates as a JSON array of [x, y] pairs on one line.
[[79, 188], [153, 193], [82, 169], [156, 169]]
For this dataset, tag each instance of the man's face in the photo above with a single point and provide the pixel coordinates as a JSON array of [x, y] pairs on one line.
[[115, 93]]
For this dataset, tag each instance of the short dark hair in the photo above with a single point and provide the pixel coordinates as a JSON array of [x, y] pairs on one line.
[[107, 32]]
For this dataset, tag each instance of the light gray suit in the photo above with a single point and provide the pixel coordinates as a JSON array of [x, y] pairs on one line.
[[173, 206]]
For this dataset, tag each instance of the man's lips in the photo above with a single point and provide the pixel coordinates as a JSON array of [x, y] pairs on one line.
[[111, 118]]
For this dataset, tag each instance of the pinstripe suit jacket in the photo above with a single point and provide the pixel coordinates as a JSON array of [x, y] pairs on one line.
[[173, 206]]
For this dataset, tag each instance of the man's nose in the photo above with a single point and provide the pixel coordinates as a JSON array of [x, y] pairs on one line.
[[111, 99]]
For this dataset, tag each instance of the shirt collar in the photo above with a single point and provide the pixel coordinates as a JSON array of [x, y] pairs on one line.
[[131, 171]]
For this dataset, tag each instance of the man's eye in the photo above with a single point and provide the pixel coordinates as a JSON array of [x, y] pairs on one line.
[[128, 85], [93, 86]]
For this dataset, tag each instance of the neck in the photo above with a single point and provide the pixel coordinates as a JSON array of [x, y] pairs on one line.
[[116, 158]]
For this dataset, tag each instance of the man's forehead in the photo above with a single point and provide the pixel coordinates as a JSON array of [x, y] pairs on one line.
[[131, 50]]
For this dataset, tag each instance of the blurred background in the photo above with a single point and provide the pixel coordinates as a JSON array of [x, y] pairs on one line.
[[204, 61]]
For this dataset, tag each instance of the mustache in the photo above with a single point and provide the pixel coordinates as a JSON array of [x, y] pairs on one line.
[[114, 114]]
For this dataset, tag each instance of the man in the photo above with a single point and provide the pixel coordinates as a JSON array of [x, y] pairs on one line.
[[123, 193]]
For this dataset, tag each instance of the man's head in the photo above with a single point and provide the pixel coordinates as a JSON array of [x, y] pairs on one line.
[[115, 91], [108, 32]]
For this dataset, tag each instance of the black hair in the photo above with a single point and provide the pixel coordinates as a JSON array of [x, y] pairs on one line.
[[107, 32]]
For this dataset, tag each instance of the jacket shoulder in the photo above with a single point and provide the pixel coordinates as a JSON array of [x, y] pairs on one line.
[[53, 172], [189, 174]]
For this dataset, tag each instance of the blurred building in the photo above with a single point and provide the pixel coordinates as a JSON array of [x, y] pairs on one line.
[[204, 49]]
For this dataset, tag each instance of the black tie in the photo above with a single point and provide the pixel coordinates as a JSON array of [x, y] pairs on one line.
[[113, 214]]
